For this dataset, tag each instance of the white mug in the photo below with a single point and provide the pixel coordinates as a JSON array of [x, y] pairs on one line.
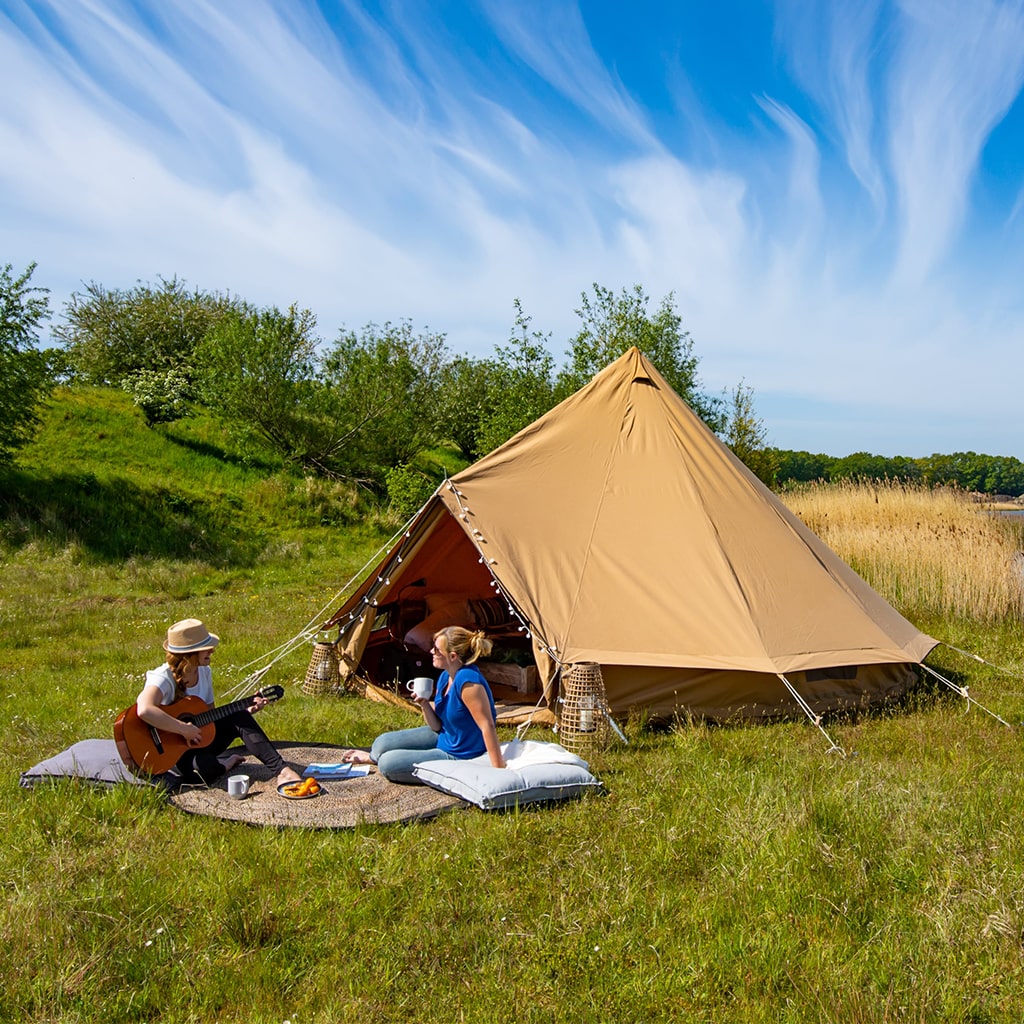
[[238, 786], [421, 687]]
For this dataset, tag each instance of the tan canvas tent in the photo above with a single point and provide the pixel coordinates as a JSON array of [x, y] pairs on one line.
[[618, 529]]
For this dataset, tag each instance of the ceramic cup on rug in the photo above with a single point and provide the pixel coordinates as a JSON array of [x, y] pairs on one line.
[[420, 687], [238, 786]]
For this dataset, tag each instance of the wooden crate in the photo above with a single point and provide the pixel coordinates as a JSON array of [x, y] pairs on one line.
[[523, 679]]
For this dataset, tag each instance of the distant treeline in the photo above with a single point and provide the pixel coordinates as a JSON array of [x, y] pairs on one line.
[[372, 406], [989, 474]]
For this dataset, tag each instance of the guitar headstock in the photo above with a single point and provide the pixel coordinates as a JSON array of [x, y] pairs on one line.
[[271, 693]]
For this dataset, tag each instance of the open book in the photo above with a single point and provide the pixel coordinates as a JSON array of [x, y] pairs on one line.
[[340, 770]]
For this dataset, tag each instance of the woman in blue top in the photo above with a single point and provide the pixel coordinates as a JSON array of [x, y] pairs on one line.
[[459, 719]]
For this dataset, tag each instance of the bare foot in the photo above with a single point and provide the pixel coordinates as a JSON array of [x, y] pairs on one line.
[[356, 757], [233, 762], [287, 774]]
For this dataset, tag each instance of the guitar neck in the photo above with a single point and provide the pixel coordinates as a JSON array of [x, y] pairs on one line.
[[221, 711]]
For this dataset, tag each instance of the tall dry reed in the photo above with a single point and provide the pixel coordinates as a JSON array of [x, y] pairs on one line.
[[932, 552]]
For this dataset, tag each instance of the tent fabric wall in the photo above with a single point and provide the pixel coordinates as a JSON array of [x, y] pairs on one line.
[[709, 693], [624, 532]]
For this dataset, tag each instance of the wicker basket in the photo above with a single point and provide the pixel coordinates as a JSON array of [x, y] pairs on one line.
[[583, 723], [323, 675]]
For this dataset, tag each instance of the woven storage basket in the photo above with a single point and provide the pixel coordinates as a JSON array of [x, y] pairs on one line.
[[323, 675], [583, 708]]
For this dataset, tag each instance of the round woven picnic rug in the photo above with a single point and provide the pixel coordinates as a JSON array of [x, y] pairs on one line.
[[342, 803]]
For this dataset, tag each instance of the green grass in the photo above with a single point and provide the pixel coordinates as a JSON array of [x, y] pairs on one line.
[[729, 874], [99, 482]]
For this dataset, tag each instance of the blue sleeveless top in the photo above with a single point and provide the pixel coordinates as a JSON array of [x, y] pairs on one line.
[[460, 735]]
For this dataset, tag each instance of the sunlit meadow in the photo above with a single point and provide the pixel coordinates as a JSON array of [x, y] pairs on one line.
[[729, 873]]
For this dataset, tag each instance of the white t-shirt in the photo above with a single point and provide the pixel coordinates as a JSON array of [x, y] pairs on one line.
[[162, 679]]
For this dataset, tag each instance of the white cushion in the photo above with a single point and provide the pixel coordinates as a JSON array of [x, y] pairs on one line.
[[477, 782]]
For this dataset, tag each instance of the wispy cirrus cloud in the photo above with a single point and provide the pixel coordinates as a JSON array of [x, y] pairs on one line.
[[375, 161], [958, 72], [553, 40]]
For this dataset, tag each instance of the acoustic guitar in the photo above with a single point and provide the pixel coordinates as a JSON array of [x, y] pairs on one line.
[[145, 748]]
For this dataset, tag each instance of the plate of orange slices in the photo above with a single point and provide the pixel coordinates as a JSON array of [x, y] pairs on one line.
[[304, 790]]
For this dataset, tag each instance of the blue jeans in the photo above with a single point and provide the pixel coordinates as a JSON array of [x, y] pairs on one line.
[[395, 753]]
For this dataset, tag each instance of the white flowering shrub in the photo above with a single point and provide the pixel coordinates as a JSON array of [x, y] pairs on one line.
[[162, 395]]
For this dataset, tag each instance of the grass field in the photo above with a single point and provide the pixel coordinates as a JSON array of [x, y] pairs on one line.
[[728, 874]]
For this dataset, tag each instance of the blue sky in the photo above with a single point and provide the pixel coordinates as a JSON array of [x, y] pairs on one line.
[[832, 192]]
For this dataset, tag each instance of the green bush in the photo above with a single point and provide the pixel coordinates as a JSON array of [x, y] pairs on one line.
[[408, 489]]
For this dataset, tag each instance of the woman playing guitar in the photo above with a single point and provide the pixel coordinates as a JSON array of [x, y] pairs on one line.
[[187, 673]]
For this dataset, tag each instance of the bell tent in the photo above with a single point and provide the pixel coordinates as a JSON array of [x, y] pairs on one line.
[[617, 529]]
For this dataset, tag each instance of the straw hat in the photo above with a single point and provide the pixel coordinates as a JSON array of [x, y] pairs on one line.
[[188, 636]]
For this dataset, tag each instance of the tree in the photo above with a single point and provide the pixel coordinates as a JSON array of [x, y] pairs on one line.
[[803, 467], [903, 468], [613, 323], [861, 466], [383, 389], [1004, 475], [746, 435], [256, 370], [365, 406], [463, 392], [111, 335], [25, 375], [520, 385]]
